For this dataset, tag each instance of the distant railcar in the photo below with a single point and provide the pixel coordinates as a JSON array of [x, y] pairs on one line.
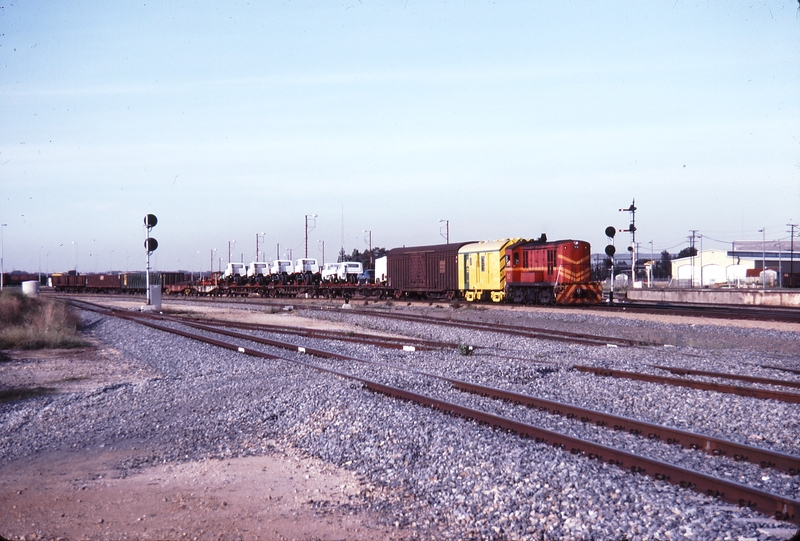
[[136, 282], [103, 283], [68, 282]]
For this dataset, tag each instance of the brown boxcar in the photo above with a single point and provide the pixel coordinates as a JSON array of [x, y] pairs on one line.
[[103, 283], [69, 282], [424, 271]]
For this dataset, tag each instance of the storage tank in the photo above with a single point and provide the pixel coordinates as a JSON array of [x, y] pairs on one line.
[[30, 288]]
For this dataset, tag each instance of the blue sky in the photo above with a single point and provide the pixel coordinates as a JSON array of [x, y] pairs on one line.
[[508, 118]]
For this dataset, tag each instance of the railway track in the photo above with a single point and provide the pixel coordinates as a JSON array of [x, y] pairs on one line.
[[754, 392], [512, 330], [753, 313], [487, 326], [781, 507]]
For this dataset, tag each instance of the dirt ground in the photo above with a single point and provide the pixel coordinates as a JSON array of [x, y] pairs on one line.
[[71, 495]]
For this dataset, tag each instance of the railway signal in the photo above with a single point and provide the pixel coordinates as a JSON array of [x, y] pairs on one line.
[[632, 230], [150, 245], [610, 251]]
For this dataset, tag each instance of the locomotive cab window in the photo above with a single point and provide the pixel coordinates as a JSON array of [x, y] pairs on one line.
[[516, 259]]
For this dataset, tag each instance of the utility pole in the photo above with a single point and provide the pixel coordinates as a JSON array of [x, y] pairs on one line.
[[314, 224], [211, 273], [763, 232], [370, 246], [791, 255], [446, 229], [2, 267], [258, 235], [693, 252]]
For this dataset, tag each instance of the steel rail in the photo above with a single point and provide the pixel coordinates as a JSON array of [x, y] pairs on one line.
[[528, 332], [751, 379], [708, 311], [690, 440], [781, 507], [764, 394], [361, 338], [782, 368], [381, 341]]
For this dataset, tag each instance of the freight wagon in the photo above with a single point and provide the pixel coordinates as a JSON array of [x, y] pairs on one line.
[[423, 271]]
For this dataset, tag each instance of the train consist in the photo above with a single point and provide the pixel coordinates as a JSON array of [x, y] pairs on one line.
[[127, 282], [516, 270], [510, 270]]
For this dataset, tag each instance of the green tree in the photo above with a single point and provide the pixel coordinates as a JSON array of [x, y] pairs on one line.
[[664, 267]]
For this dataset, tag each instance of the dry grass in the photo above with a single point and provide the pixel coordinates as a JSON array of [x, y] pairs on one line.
[[27, 323]]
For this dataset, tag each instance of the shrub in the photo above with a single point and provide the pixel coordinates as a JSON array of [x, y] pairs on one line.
[[28, 323]]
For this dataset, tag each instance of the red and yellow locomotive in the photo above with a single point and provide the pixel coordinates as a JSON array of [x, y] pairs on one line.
[[542, 272]]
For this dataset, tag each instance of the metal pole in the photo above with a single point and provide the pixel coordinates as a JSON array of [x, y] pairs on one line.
[[791, 256], [323, 252], [370, 246], [701, 261], [763, 232], [2, 265], [147, 271], [307, 217], [446, 229]]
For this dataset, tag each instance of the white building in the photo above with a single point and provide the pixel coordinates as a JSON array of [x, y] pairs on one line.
[[711, 267], [747, 262]]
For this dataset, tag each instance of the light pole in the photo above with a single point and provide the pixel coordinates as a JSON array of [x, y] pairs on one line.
[[313, 225], [763, 232], [229, 249], [370, 245], [446, 229], [2, 267], [791, 256], [258, 235], [323, 251], [701, 261], [211, 273], [76, 256]]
